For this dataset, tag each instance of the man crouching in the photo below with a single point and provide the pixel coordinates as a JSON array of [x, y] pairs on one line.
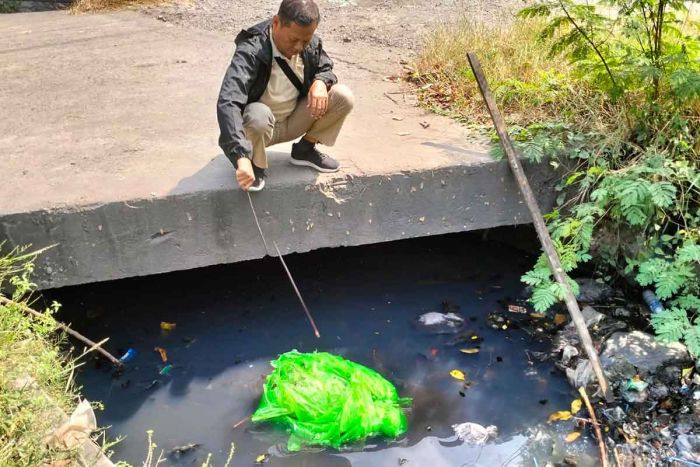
[[280, 86]]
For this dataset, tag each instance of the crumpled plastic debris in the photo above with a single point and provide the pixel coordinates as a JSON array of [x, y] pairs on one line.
[[636, 384], [688, 447], [441, 323], [475, 434], [326, 400], [76, 430]]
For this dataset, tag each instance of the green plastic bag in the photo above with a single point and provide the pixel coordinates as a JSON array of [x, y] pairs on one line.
[[325, 400]]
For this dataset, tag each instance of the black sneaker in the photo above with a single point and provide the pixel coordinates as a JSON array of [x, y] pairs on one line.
[[306, 154], [259, 182]]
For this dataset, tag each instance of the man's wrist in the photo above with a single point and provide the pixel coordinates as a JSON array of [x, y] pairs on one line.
[[244, 163], [319, 80], [236, 158]]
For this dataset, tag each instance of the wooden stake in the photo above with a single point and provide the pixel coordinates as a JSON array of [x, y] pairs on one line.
[[77, 335], [540, 227], [596, 427]]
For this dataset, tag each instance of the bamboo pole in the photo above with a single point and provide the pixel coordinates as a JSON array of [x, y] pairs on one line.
[[540, 227], [77, 335], [596, 428]]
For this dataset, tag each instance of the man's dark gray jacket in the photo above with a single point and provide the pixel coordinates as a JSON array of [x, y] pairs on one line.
[[246, 80]]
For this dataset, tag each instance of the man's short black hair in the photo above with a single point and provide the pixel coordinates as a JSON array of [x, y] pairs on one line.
[[301, 12]]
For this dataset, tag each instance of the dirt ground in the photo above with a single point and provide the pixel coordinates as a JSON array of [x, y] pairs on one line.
[[394, 25]]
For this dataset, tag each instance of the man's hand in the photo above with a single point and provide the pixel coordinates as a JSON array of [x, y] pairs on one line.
[[244, 174], [318, 99]]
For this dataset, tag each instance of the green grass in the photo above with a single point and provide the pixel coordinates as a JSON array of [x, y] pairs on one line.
[[29, 351], [528, 84]]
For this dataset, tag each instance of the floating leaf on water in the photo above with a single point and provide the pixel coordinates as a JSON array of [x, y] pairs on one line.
[[262, 458], [536, 315], [559, 318], [165, 326], [475, 338], [163, 353], [166, 369], [573, 436], [458, 374], [561, 415], [469, 351], [576, 405]]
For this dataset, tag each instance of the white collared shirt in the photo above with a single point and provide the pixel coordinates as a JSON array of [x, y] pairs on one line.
[[281, 95]]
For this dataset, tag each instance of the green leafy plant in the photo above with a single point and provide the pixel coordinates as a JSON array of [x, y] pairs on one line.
[[630, 197]]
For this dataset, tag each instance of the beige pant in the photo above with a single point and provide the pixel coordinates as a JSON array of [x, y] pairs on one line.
[[262, 130]]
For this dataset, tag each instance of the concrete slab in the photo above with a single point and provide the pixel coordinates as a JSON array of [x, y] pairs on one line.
[[108, 144]]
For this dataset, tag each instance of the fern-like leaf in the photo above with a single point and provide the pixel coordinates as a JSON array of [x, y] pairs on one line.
[[670, 325], [689, 252], [543, 297], [663, 194], [692, 339]]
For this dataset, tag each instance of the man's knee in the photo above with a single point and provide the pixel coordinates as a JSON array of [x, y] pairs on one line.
[[340, 95], [258, 118]]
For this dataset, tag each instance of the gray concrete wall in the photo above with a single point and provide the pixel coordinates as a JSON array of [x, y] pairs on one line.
[[183, 231]]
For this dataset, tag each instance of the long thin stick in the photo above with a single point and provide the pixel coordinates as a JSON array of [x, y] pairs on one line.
[[286, 269], [596, 427], [77, 335], [540, 226]]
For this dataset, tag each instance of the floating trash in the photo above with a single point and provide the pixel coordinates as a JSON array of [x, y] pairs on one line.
[[475, 434], [441, 323], [326, 400], [129, 355], [163, 353], [179, 451]]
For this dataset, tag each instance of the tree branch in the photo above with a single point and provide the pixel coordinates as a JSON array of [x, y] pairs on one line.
[[590, 42]]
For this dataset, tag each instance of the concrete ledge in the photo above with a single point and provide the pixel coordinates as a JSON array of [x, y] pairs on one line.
[[189, 230]]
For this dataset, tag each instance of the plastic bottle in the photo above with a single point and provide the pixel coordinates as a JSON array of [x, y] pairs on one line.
[[652, 302], [131, 353]]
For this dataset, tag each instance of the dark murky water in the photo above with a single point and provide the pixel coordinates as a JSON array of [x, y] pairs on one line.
[[232, 320]]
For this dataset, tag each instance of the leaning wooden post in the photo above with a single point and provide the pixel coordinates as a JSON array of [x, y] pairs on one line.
[[540, 226]]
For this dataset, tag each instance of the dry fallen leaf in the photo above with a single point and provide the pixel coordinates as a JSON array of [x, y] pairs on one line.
[[559, 318], [576, 405], [469, 351], [163, 353], [165, 326], [536, 315], [573, 436], [458, 374], [561, 415]]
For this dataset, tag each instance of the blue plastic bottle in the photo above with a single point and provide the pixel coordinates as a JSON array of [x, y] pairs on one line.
[[652, 302], [131, 353]]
